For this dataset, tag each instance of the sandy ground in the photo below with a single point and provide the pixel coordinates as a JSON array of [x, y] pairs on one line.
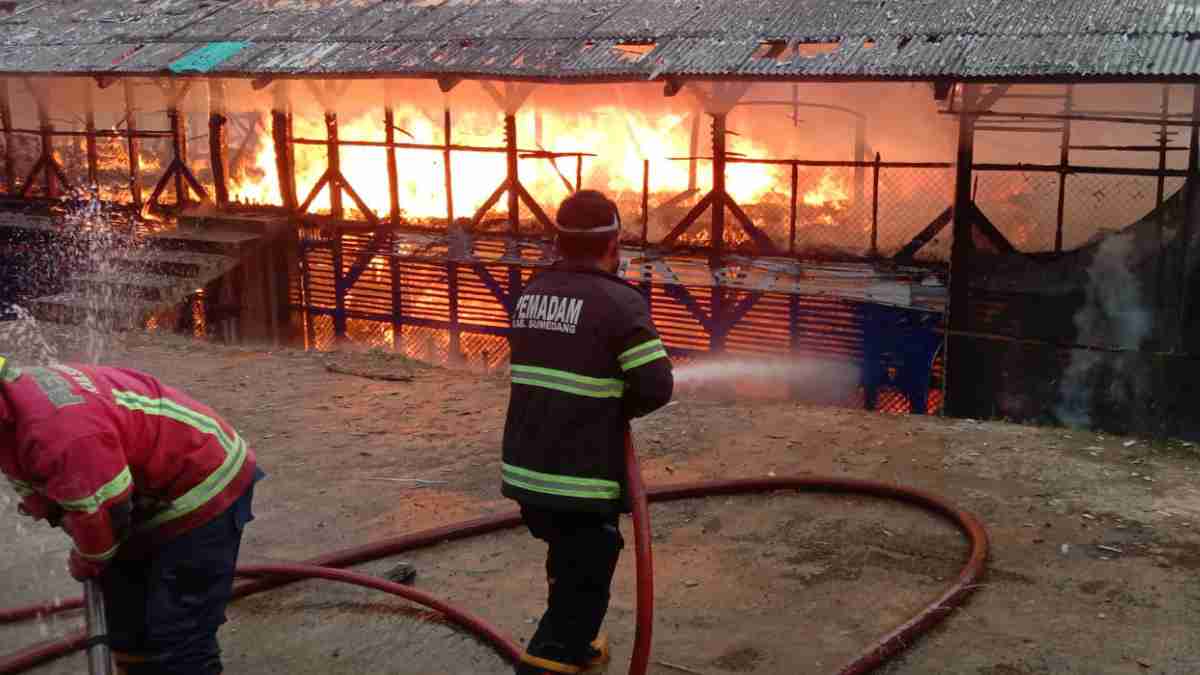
[[780, 583]]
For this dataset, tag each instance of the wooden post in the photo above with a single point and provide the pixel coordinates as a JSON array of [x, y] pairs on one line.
[[860, 155], [93, 154], [514, 203], [333, 152], [1064, 167], [47, 135], [10, 166], [694, 152], [339, 273], [719, 194], [795, 211], [1191, 209], [645, 198], [179, 152], [447, 134], [134, 147], [281, 123], [455, 348], [389, 121], [962, 397], [1165, 111], [397, 302], [216, 140], [875, 207]]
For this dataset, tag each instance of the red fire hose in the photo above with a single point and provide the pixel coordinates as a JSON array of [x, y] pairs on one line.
[[326, 567]]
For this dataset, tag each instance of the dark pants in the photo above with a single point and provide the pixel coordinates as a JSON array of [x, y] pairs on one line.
[[164, 611], [584, 548]]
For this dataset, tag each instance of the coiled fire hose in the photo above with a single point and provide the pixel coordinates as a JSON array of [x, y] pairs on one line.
[[329, 567]]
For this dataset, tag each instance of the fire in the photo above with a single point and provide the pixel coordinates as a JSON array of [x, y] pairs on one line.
[[829, 192], [621, 138]]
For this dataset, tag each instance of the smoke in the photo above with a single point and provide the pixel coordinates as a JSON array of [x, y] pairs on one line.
[[806, 378], [1114, 314]]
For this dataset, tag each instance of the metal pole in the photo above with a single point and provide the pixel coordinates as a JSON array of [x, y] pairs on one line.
[[960, 400], [795, 214], [875, 207], [449, 176], [335, 166], [514, 203], [98, 655], [389, 121], [1064, 167], [216, 140], [134, 148]]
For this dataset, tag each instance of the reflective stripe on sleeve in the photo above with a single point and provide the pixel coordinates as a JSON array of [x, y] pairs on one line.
[[570, 383], [22, 488], [99, 557], [92, 503], [563, 486], [648, 351]]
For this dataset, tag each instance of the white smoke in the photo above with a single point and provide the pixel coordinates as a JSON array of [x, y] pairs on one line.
[[1114, 315], [807, 378]]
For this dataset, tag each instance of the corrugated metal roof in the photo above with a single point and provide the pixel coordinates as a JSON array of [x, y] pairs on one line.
[[581, 39]]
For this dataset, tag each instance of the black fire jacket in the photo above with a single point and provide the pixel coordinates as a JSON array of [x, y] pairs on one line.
[[585, 360]]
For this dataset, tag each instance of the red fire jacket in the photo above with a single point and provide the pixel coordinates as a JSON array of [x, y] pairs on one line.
[[91, 438]]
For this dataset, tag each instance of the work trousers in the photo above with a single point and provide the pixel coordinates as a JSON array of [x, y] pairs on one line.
[[582, 557], [164, 610]]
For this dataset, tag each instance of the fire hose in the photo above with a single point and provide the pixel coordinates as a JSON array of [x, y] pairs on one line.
[[329, 567]]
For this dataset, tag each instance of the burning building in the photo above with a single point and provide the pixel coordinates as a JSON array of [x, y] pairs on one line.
[[868, 182]]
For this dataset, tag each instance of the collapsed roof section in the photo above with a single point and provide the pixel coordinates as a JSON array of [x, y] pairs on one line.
[[631, 40]]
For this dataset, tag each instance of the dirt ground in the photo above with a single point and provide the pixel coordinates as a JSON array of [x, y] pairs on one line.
[[1096, 539]]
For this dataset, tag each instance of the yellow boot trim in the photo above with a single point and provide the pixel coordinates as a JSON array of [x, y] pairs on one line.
[[552, 666], [600, 644]]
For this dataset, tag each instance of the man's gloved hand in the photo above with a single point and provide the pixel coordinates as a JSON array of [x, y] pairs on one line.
[[83, 569]]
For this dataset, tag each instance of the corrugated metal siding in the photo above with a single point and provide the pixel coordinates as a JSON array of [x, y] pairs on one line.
[[575, 39]]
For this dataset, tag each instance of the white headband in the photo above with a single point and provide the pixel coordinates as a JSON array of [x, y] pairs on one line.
[[614, 227]]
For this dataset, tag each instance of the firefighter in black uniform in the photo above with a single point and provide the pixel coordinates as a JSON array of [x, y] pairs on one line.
[[585, 361]]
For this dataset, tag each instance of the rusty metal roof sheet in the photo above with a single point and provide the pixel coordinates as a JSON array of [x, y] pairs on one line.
[[583, 39]]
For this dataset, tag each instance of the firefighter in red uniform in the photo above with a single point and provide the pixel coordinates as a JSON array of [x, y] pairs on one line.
[[153, 488], [585, 361]]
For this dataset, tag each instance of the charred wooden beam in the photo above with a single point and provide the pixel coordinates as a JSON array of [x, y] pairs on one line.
[[105, 81], [510, 142], [962, 397], [10, 168], [719, 133], [216, 140], [447, 83], [1064, 163], [179, 149], [133, 147], [260, 83], [447, 131], [389, 124], [672, 87], [93, 154], [336, 209]]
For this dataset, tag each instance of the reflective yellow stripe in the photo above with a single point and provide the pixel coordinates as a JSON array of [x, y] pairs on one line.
[[650, 350], [22, 488], [568, 382], [547, 664], [563, 486], [93, 503], [99, 557], [218, 480]]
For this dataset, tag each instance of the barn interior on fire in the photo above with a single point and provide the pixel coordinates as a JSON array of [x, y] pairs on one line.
[[986, 205]]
